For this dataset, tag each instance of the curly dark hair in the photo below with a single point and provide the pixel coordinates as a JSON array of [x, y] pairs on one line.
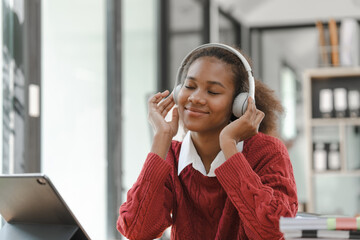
[[265, 98]]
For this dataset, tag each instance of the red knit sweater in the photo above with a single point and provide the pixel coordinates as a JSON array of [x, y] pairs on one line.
[[245, 200]]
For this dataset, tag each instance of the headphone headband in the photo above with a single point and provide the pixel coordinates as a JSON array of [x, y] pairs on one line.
[[228, 48]]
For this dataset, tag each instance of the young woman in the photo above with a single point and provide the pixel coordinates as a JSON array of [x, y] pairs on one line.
[[230, 178]]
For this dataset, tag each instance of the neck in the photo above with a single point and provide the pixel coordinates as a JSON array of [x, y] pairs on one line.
[[207, 146]]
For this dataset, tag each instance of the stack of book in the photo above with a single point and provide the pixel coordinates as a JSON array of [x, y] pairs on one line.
[[320, 227]]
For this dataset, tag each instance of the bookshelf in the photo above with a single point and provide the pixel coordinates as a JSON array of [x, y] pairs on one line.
[[332, 130]]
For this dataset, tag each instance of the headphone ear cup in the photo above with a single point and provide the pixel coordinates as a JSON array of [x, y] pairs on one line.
[[176, 93], [240, 104]]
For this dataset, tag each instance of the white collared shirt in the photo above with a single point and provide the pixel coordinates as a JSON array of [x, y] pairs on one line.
[[189, 155]]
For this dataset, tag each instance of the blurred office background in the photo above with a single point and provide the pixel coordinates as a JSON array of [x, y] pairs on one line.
[[76, 76]]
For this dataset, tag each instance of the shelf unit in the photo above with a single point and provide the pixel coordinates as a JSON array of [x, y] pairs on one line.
[[341, 127]]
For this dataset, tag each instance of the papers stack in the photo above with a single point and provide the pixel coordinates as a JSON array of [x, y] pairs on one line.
[[318, 227]]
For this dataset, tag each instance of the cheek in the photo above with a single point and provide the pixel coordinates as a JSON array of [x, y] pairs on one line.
[[225, 108]]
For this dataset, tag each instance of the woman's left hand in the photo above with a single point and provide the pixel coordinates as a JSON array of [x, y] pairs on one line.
[[242, 128]]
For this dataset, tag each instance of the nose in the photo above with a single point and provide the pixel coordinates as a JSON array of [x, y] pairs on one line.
[[197, 98]]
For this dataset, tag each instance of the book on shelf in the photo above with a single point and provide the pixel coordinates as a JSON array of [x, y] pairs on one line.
[[334, 42], [322, 43], [320, 227], [319, 223], [324, 234]]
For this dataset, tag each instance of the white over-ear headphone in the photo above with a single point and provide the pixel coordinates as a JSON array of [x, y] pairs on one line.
[[241, 100]]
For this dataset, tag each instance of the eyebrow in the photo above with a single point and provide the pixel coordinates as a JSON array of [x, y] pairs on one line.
[[209, 82]]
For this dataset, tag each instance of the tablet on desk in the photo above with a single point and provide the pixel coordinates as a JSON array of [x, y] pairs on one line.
[[30, 204]]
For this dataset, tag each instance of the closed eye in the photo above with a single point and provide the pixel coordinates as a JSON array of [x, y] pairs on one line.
[[189, 87], [213, 93]]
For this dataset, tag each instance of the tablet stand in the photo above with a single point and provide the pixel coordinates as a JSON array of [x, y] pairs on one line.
[[31, 231]]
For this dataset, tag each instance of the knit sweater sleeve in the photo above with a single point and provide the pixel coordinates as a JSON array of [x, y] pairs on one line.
[[147, 210], [261, 187]]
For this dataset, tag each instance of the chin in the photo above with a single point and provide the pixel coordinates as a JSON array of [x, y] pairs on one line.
[[198, 127], [201, 126], [193, 128]]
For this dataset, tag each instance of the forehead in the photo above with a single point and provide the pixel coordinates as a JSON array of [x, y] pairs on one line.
[[212, 69]]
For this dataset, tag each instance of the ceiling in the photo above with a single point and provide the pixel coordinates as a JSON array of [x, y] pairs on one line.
[[267, 13]]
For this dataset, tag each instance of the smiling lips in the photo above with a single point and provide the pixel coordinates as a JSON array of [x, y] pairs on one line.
[[195, 111]]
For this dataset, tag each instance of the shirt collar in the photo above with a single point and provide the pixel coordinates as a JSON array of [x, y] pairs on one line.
[[188, 155]]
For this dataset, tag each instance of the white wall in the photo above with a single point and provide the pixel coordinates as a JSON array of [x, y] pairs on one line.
[[73, 107]]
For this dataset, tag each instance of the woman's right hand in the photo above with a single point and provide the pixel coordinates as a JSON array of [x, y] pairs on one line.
[[159, 106]]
